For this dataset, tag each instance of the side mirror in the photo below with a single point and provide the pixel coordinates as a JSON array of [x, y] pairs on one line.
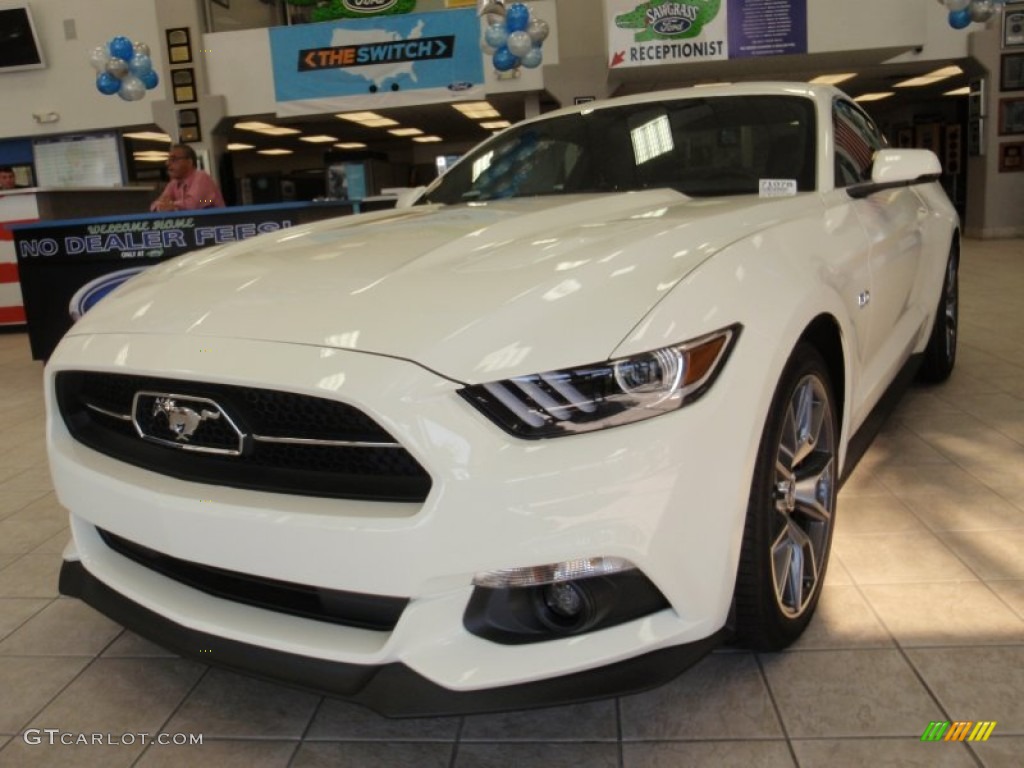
[[902, 165], [898, 168]]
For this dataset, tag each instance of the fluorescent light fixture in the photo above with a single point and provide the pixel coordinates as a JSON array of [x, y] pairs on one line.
[[149, 136], [405, 132], [477, 110], [965, 91], [351, 145], [874, 96], [495, 125], [236, 147], [368, 119], [274, 152], [266, 128], [252, 125], [931, 77], [279, 131], [833, 79], [150, 157], [322, 138], [427, 139]]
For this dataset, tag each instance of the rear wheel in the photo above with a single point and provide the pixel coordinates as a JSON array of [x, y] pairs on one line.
[[940, 354], [788, 532]]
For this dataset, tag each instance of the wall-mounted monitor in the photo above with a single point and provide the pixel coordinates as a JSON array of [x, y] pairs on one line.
[[19, 43], [92, 160]]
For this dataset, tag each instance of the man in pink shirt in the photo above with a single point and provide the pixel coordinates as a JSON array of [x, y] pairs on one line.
[[189, 188]]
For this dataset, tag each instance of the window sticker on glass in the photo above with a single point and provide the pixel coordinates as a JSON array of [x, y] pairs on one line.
[[776, 187]]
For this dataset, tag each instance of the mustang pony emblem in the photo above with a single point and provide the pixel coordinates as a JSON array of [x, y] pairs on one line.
[[183, 422]]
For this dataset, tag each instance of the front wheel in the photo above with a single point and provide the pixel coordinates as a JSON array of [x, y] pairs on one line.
[[940, 354], [790, 513]]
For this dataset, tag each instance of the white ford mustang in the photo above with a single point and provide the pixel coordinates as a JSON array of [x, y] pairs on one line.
[[552, 432]]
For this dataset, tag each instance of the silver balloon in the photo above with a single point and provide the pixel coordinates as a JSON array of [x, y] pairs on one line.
[[117, 67], [141, 49], [496, 7], [538, 30], [99, 58], [132, 89], [519, 44], [982, 10]]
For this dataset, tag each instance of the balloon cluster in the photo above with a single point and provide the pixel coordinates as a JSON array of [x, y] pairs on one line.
[[963, 12], [124, 68], [513, 35]]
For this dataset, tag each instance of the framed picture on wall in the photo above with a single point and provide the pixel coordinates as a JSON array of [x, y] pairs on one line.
[[1011, 157], [1013, 25], [1011, 117], [1011, 73]]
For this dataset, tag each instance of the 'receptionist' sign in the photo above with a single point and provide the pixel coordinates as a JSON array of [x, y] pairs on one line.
[[665, 32]]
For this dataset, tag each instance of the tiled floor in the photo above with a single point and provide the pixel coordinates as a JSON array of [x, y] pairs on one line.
[[922, 619]]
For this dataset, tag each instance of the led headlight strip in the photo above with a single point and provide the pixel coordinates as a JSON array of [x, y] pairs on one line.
[[605, 394]]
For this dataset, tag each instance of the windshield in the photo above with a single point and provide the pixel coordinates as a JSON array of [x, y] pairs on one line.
[[701, 147]]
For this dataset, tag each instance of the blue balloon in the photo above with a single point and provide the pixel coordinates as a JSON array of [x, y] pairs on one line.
[[960, 19], [533, 58], [140, 64], [504, 60], [149, 80], [121, 47], [517, 17], [496, 35], [107, 84]]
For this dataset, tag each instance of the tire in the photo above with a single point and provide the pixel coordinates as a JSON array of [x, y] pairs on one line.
[[940, 354], [790, 513]]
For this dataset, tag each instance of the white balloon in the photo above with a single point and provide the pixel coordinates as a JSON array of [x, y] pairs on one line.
[[132, 88], [538, 30], [519, 43], [99, 58]]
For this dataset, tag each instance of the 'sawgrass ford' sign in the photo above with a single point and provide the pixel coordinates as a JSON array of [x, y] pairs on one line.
[[660, 32]]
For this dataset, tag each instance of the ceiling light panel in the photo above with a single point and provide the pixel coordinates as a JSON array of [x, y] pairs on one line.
[[275, 152], [405, 132], [874, 96], [833, 79], [351, 145], [238, 147], [319, 139], [427, 139]]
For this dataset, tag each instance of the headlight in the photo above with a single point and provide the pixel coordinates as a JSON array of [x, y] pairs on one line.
[[605, 394]]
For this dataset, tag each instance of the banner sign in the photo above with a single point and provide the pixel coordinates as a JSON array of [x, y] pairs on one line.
[[67, 266], [661, 32], [377, 62], [767, 27]]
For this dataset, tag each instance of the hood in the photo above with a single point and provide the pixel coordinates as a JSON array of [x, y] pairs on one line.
[[474, 292]]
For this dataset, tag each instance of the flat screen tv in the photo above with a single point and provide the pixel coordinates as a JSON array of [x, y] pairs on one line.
[[19, 43]]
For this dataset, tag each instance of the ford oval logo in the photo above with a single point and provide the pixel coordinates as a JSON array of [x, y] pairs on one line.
[[88, 295], [672, 26], [368, 6]]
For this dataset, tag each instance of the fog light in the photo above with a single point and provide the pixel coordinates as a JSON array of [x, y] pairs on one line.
[[564, 599], [566, 606]]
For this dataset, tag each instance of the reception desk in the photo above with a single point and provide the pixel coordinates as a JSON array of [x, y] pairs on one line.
[[21, 206], [66, 266]]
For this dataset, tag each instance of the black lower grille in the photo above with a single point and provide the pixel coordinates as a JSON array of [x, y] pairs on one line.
[[352, 609], [243, 437]]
